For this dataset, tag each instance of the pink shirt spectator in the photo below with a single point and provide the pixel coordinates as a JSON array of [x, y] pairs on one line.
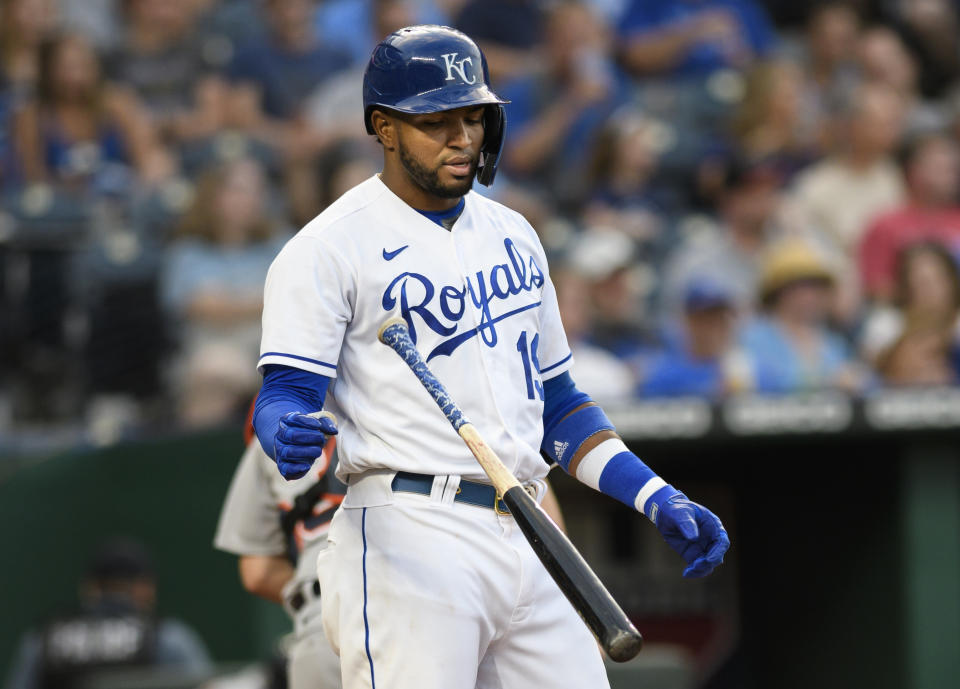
[[932, 170], [891, 232]]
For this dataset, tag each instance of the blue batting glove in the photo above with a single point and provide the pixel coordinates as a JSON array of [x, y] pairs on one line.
[[689, 528], [299, 441]]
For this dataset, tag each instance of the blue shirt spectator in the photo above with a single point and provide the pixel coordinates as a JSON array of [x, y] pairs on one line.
[[779, 366], [510, 32], [514, 23], [698, 360], [530, 96], [212, 285], [349, 25], [674, 372], [196, 266], [555, 113], [694, 37], [283, 75], [789, 348]]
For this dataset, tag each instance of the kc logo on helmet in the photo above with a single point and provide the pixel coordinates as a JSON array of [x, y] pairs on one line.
[[455, 65]]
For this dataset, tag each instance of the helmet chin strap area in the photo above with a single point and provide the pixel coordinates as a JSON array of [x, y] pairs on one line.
[[494, 125]]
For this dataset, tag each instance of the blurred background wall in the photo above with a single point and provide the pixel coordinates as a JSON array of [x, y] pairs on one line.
[[852, 579]]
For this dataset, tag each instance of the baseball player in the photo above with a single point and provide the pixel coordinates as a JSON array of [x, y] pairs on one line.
[[427, 582], [277, 528]]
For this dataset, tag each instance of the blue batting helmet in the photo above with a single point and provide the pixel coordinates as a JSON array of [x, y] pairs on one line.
[[423, 69]]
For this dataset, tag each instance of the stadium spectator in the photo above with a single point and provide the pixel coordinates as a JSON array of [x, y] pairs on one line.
[[164, 60], [24, 25], [789, 346], [692, 38], [95, 20], [839, 195], [510, 33], [821, 106], [343, 167], [213, 287], [915, 340], [932, 211], [275, 74], [347, 24], [333, 105], [599, 373], [79, 132], [229, 22], [555, 113], [929, 29], [829, 64], [617, 286], [767, 125], [730, 253], [272, 79], [623, 191], [700, 359], [884, 59], [114, 629]]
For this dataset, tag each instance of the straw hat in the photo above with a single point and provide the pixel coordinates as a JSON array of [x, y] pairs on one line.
[[790, 262]]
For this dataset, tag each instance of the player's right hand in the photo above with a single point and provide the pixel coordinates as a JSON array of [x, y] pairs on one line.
[[299, 441]]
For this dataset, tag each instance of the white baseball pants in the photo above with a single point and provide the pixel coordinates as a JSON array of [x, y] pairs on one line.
[[420, 592]]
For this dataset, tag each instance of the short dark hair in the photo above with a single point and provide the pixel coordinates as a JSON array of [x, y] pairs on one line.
[[120, 559]]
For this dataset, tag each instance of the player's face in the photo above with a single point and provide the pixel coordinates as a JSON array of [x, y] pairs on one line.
[[440, 151]]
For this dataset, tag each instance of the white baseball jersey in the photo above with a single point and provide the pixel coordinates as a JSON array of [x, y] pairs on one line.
[[479, 305]]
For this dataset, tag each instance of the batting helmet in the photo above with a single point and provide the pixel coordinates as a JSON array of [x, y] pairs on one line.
[[423, 69]]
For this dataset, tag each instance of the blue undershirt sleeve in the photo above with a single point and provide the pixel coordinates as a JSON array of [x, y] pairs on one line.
[[285, 389], [560, 397], [610, 467]]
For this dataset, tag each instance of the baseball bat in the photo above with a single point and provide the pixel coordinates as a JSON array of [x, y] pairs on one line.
[[613, 629], [324, 414]]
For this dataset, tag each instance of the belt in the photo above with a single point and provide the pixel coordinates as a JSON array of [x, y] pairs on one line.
[[469, 492], [300, 598]]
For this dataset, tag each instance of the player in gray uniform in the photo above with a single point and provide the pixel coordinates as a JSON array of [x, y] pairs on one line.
[[277, 560]]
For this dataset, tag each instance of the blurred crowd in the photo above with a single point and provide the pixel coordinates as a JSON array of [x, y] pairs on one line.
[[736, 195]]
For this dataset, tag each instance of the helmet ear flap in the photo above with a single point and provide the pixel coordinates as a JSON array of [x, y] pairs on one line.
[[494, 125]]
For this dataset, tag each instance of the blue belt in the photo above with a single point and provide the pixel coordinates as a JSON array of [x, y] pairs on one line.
[[469, 492]]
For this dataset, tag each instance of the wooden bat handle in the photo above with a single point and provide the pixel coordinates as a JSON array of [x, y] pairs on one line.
[[324, 414], [500, 476]]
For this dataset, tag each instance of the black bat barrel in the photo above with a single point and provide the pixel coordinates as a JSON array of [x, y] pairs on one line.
[[619, 638]]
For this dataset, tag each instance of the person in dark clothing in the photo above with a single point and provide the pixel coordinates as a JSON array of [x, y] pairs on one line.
[[114, 628]]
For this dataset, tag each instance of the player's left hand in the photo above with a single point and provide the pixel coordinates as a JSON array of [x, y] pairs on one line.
[[689, 528]]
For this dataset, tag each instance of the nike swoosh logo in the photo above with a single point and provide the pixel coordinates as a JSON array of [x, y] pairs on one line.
[[390, 255]]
